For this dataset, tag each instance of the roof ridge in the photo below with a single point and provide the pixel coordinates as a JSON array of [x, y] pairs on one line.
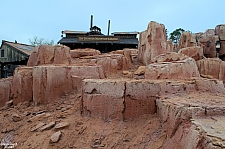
[[16, 43]]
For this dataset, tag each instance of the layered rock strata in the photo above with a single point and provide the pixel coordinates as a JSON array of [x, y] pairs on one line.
[[171, 66], [45, 54], [152, 42], [124, 99]]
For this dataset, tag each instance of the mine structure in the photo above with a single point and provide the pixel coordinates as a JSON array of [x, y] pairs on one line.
[[96, 40]]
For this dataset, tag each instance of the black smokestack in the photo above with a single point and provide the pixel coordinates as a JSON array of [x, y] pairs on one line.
[[91, 21], [108, 26]]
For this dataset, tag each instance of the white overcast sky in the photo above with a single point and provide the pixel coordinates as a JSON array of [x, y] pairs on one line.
[[23, 19]]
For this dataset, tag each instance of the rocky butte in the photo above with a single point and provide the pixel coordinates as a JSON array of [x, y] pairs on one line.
[[151, 97]]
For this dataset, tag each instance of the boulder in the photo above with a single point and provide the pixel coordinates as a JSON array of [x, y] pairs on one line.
[[48, 126], [195, 52], [178, 109], [172, 66], [188, 39], [76, 53], [50, 82], [208, 40], [111, 63], [127, 60], [5, 90], [103, 98], [55, 137], [61, 125], [220, 32], [46, 54], [152, 42], [212, 67], [22, 85], [39, 125], [140, 70], [16, 117]]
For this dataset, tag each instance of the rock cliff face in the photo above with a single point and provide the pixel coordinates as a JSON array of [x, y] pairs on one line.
[[152, 42], [127, 99], [5, 86], [49, 55], [192, 118], [188, 39], [103, 99], [212, 67], [50, 82], [195, 52], [208, 40], [172, 66], [220, 32], [22, 85]]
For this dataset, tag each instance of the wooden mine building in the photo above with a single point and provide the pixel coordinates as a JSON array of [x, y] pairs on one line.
[[12, 55], [96, 40]]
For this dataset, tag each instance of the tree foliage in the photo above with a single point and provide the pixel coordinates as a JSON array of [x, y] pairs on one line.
[[36, 41], [175, 35]]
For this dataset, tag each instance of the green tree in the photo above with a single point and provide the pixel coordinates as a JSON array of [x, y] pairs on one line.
[[175, 35], [36, 41]]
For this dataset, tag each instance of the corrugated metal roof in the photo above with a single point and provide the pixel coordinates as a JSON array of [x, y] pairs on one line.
[[23, 48], [73, 32], [135, 33], [27, 49]]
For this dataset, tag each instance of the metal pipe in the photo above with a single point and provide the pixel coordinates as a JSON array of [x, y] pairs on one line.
[[108, 27], [91, 21]]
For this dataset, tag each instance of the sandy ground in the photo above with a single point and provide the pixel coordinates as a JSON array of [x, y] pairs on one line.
[[82, 132]]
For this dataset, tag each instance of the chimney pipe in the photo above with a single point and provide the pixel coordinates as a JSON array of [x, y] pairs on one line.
[[108, 27], [91, 21]]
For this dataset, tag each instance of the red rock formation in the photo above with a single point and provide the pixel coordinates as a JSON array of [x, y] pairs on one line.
[[50, 82], [195, 52], [169, 46], [187, 39], [111, 63], [152, 42], [22, 85], [220, 31], [124, 99], [103, 98], [213, 67], [76, 53], [49, 55], [5, 90], [179, 109], [208, 40], [172, 66]]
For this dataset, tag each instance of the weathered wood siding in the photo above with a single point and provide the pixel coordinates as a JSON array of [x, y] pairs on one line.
[[12, 54]]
